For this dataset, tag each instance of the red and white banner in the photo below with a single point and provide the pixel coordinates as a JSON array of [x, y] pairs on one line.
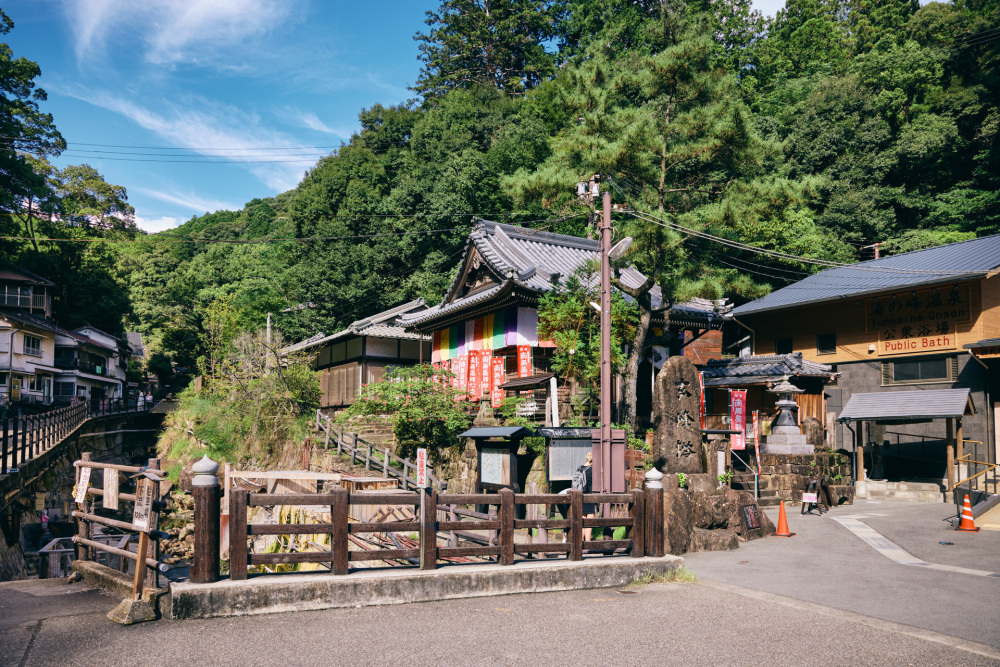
[[475, 376], [523, 361], [422, 468], [463, 372], [701, 387], [499, 375], [756, 437], [454, 373], [486, 371], [738, 418]]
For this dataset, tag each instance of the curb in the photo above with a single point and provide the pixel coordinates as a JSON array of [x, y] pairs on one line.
[[301, 592]]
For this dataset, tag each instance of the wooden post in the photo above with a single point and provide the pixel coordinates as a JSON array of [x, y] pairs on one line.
[[368, 457], [206, 491], [506, 527], [3, 465], [636, 533], [576, 524], [339, 511], [654, 513], [950, 444], [406, 474], [83, 527], [13, 463], [354, 447], [452, 516], [959, 445], [494, 534], [385, 464], [140, 566], [326, 440], [428, 528], [859, 455], [238, 534]]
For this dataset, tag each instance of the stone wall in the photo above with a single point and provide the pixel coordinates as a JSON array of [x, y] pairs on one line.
[[459, 466], [788, 475]]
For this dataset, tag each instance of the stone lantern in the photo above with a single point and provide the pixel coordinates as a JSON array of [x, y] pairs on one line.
[[786, 438]]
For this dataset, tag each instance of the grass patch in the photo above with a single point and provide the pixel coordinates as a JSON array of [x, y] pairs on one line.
[[677, 575]]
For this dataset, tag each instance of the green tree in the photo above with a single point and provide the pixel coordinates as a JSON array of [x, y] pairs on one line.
[[491, 43], [425, 410], [85, 197]]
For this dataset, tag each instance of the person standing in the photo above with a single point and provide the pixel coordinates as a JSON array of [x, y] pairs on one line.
[[583, 480]]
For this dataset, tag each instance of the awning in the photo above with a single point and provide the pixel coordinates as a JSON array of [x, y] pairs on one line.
[[913, 405], [498, 432], [530, 382]]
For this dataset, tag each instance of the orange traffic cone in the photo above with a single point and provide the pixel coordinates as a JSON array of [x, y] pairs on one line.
[[782, 523], [967, 524]]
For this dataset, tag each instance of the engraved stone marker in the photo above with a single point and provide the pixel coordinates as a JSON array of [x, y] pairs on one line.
[[677, 405]]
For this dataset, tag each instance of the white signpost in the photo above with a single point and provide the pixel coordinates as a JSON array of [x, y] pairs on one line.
[[422, 468], [81, 486], [142, 513]]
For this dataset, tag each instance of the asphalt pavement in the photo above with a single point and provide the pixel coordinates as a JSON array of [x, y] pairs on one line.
[[827, 564], [660, 623]]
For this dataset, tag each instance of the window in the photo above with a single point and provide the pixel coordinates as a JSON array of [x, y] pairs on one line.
[[32, 345], [36, 383], [783, 346], [826, 343], [65, 388], [918, 371]]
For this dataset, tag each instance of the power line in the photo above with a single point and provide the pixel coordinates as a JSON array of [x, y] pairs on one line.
[[777, 254]]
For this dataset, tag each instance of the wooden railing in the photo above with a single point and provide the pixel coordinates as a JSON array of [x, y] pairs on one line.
[[364, 452], [147, 567], [26, 437], [644, 530]]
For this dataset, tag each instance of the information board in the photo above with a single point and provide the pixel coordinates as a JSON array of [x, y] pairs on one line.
[[565, 456], [142, 513], [82, 484], [751, 517], [491, 465], [422, 468]]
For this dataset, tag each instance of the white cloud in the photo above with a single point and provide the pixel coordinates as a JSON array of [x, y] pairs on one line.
[[153, 225], [190, 201], [175, 31], [310, 120], [218, 131]]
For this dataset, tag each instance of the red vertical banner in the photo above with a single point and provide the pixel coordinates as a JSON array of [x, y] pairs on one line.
[[499, 375], [756, 437], [738, 418], [454, 373], [486, 370], [523, 361], [463, 372], [475, 376], [701, 386]]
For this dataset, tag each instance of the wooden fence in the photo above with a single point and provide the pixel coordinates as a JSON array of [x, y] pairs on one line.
[[89, 544], [373, 458], [643, 529]]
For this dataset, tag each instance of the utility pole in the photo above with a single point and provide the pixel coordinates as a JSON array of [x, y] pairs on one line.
[[606, 342]]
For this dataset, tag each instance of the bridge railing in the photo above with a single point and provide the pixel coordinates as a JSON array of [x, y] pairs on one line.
[[641, 535], [27, 436]]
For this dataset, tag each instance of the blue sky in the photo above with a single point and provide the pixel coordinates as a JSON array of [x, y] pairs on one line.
[[201, 105]]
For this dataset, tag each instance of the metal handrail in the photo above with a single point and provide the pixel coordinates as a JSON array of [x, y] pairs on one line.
[[756, 476]]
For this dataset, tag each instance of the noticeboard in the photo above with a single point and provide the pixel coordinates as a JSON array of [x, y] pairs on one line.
[[566, 455], [142, 514], [491, 465], [751, 516]]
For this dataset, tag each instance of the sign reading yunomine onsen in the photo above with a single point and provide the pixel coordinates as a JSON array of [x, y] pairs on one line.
[[918, 321]]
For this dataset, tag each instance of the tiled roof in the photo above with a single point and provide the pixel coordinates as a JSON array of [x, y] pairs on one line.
[[382, 325], [534, 261], [96, 330], [28, 274], [955, 261], [762, 369], [135, 343], [915, 404], [30, 320], [989, 342]]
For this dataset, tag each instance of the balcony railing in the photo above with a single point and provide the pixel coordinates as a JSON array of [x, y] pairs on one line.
[[83, 366]]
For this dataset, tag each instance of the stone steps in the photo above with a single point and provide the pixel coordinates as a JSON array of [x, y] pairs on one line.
[[920, 492]]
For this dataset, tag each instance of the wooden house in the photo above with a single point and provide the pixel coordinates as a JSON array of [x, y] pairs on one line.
[[488, 319], [922, 321]]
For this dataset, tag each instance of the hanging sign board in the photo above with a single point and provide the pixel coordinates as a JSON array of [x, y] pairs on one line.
[[82, 484], [738, 418], [142, 514], [486, 371], [422, 468], [497, 394], [110, 501]]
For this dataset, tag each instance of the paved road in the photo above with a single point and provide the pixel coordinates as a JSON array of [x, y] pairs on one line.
[[827, 564], [53, 623]]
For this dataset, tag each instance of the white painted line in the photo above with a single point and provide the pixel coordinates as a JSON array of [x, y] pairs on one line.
[[877, 623], [894, 552]]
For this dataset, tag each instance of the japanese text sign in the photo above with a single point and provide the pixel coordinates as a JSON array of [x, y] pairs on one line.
[[499, 374], [738, 418], [422, 468]]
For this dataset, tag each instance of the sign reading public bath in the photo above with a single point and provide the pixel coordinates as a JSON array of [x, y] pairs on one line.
[[919, 321]]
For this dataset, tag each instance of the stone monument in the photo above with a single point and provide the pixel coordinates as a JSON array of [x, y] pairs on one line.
[[786, 438], [678, 418]]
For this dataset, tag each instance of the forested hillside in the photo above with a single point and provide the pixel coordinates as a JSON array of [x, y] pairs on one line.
[[828, 129]]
